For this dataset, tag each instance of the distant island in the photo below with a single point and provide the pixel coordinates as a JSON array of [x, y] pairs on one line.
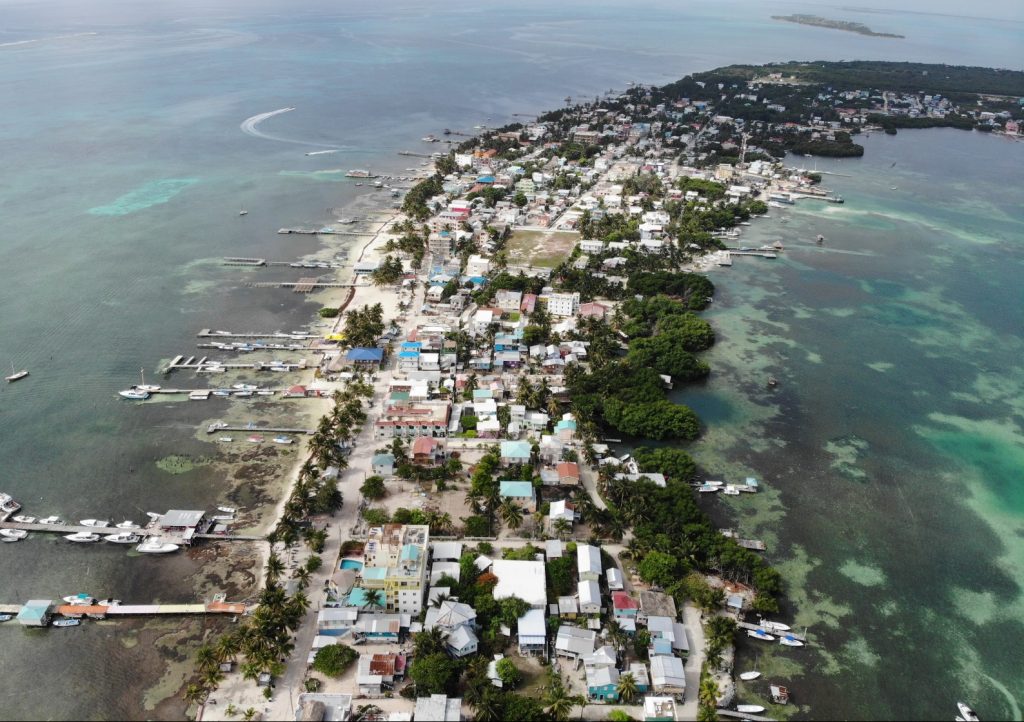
[[820, 22]]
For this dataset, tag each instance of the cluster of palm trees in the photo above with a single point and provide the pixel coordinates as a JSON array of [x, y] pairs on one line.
[[557, 700]]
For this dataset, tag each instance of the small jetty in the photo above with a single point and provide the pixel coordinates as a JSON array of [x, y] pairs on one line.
[[205, 365], [308, 231], [42, 612], [207, 333], [752, 627], [303, 285], [221, 426], [238, 261], [733, 714]]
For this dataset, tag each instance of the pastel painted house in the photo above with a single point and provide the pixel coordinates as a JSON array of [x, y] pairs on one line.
[[603, 684], [515, 452], [383, 464], [520, 493], [624, 605]]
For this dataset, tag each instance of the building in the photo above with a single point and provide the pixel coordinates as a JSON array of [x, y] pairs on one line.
[[640, 676], [446, 551], [592, 310], [602, 684], [520, 493], [428, 451], [327, 707], [383, 464], [422, 419], [462, 642], [561, 509], [588, 562], [659, 709], [562, 304], [623, 605], [590, 597], [438, 708], [516, 452], [181, 525], [532, 632], [378, 673], [395, 562], [477, 265], [568, 473], [667, 635], [523, 579], [667, 676], [614, 578], [509, 301], [365, 357], [573, 642], [655, 604], [36, 613]]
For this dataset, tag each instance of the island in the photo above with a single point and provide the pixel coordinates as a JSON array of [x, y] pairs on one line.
[[820, 22]]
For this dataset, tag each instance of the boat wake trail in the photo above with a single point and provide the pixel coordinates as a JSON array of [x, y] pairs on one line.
[[250, 126]]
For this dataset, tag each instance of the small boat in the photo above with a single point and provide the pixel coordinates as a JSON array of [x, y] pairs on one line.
[[109, 602], [225, 439], [780, 695], [6, 617], [819, 239], [774, 626], [94, 522], [243, 212], [22, 519], [127, 525], [82, 537], [749, 708], [835, 199], [82, 599], [265, 392], [153, 515], [255, 439], [731, 490], [243, 394], [760, 634], [223, 517], [244, 387], [52, 521], [124, 537], [747, 676], [156, 548], [133, 394], [966, 712], [221, 392], [144, 386], [16, 375], [283, 440], [790, 641], [893, 188], [713, 483], [227, 509], [67, 623], [12, 535], [708, 489], [7, 504], [772, 381]]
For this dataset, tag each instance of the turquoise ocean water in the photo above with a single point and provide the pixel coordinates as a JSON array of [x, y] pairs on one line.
[[892, 449]]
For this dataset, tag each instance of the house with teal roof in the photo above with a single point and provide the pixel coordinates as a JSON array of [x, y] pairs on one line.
[[383, 464], [515, 452], [521, 493]]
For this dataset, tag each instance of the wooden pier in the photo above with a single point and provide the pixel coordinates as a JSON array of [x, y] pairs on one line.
[[752, 627], [237, 261], [307, 231], [303, 285], [207, 333], [741, 715], [73, 529], [213, 428], [204, 365]]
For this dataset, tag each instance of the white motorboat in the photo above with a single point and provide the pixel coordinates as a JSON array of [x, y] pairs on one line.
[[221, 392], [127, 525], [227, 509], [52, 521], [771, 626], [223, 517], [244, 387], [94, 522], [966, 712], [67, 622], [747, 676], [82, 537], [708, 489], [23, 519], [109, 602], [156, 548], [731, 490], [265, 393], [133, 394], [153, 515], [16, 375], [124, 537], [790, 641], [713, 483], [12, 535], [283, 440], [225, 439], [243, 393], [7, 504], [760, 634], [6, 617], [82, 599], [749, 708]]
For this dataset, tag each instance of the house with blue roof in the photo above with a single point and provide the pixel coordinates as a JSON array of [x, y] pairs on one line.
[[383, 464], [521, 493], [485, 179], [515, 452], [364, 356], [565, 428]]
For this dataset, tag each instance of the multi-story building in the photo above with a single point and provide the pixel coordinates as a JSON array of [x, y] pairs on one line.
[[562, 304], [395, 563], [428, 418]]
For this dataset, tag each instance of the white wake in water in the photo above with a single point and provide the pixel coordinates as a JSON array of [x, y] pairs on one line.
[[250, 126]]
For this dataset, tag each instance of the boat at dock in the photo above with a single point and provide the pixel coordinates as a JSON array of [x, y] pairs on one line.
[[283, 440], [967, 713], [12, 535], [223, 517], [770, 626], [6, 617], [156, 548], [835, 199], [760, 634], [358, 173], [67, 623], [82, 537], [747, 676], [749, 708], [221, 392], [225, 439], [109, 602], [265, 392], [789, 640], [731, 490], [94, 522], [244, 387], [7, 504], [708, 488], [243, 394], [133, 394], [82, 599], [227, 509], [124, 537], [23, 519], [784, 198], [127, 525], [52, 521]]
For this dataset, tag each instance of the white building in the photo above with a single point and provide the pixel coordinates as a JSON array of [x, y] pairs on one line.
[[590, 597], [588, 562], [523, 579], [395, 563], [563, 304]]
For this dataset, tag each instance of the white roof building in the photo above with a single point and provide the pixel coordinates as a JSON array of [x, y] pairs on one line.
[[523, 579], [588, 562], [590, 597], [438, 708]]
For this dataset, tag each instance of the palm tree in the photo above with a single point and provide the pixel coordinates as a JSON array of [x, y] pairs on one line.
[[562, 527], [583, 503], [511, 514], [206, 658], [439, 600], [559, 702], [708, 692], [249, 714], [374, 599], [230, 710], [274, 568], [213, 677], [195, 694], [627, 688], [488, 707], [303, 576]]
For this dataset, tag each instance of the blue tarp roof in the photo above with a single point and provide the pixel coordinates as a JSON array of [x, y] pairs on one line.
[[365, 354]]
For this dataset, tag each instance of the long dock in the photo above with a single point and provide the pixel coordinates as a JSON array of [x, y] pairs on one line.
[[214, 428], [204, 364], [741, 715], [207, 333], [303, 285], [72, 529]]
